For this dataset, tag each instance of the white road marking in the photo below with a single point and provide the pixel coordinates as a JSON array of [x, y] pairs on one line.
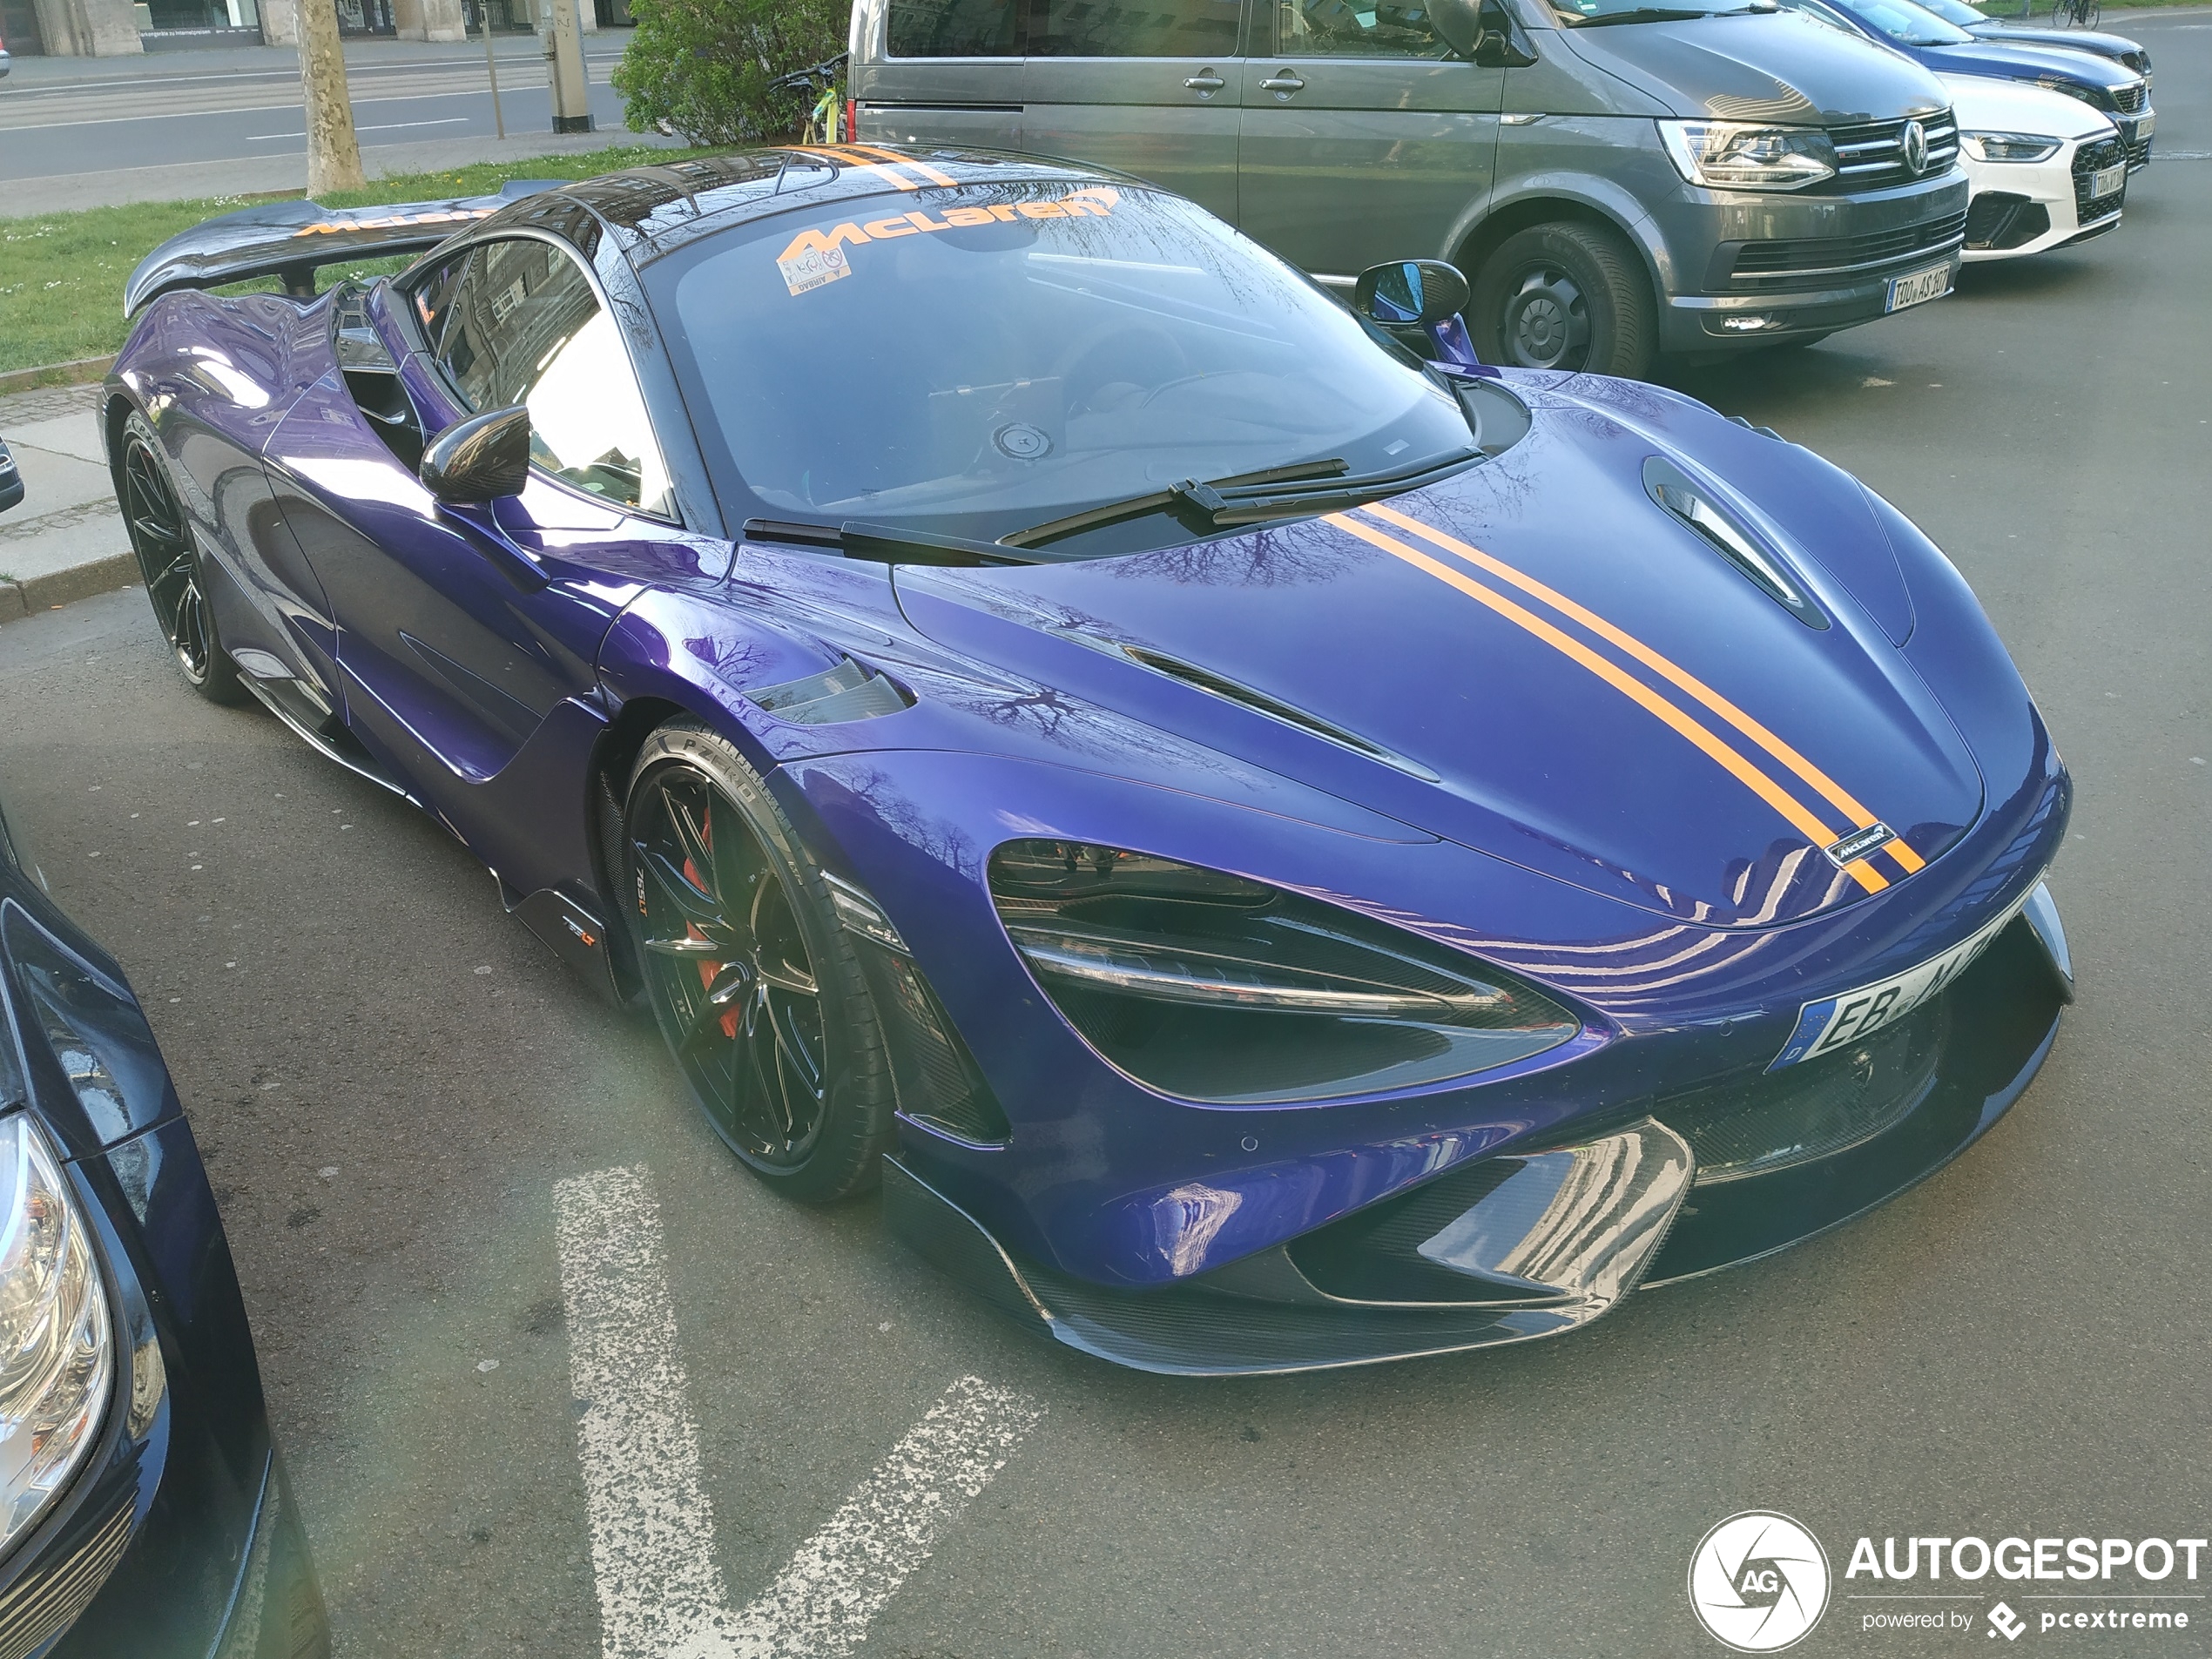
[[390, 127], [661, 1594], [652, 1531]]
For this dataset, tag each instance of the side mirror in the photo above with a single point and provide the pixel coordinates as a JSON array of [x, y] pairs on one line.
[[1410, 292], [481, 459], [1458, 24], [10, 480], [1499, 43]]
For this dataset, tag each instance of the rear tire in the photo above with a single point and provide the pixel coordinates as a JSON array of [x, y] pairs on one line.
[[1566, 295], [754, 983], [170, 562]]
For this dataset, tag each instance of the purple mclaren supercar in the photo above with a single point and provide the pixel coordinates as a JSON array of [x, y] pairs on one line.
[[1279, 845]]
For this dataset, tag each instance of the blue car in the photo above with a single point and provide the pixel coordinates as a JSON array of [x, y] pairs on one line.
[[1281, 849], [143, 1509], [2127, 53], [2104, 82]]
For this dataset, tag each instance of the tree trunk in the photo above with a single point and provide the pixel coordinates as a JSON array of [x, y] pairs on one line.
[[333, 154]]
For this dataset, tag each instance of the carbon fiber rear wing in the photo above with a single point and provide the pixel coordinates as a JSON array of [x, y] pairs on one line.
[[292, 240]]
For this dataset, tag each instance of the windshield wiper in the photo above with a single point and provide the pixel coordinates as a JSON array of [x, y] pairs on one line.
[[1249, 498], [886, 543], [1642, 14]]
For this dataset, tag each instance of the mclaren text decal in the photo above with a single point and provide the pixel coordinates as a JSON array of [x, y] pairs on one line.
[[1807, 821], [396, 221], [817, 257]]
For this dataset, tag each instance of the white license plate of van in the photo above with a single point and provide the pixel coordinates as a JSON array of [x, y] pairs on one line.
[[2107, 181], [1917, 287]]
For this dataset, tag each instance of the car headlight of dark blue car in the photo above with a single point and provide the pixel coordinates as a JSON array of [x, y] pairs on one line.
[[1213, 988], [57, 1344]]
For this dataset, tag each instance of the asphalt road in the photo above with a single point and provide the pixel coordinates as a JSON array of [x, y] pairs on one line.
[[389, 1079], [56, 120]]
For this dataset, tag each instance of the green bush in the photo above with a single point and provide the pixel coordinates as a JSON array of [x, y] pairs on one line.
[[703, 67]]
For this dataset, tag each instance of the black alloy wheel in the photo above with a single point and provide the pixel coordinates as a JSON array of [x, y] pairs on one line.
[[1567, 295], [756, 987], [169, 561]]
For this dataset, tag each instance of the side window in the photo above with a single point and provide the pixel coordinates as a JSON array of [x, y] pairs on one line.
[[1147, 28], [1353, 29], [952, 29], [433, 296], [522, 325]]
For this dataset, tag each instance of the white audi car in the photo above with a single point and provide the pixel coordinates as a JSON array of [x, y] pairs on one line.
[[2045, 170]]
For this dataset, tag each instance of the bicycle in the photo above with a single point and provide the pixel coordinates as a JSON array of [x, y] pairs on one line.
[[822, 121], [2079, 14]]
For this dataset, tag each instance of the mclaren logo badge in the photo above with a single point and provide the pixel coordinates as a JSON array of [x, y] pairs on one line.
[[1856, 844], [1916, 148]]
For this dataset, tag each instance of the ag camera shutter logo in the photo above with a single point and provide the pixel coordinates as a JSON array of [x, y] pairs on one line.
[[1758, 1582]]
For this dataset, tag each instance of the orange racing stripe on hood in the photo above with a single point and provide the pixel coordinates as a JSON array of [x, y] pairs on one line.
[[1838, 796], [1794, 812]]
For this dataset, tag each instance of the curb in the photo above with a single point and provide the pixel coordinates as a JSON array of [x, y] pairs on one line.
[[84, 371], [21, 599]]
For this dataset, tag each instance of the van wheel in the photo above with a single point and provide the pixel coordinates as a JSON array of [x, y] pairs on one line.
[[1565, 295]]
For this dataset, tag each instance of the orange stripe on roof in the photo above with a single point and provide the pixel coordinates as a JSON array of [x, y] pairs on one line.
[[1793, 811], [845, 156], [1838, 796], [907, 162]]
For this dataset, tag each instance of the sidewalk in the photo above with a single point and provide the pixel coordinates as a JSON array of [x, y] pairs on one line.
[[66, 540]]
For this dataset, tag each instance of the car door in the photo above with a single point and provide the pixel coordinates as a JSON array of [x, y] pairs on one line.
[[462, 629], [1362, 139], [1149, 88], [946, 72]]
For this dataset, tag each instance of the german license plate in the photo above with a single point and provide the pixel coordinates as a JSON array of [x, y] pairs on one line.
[[1915, 287], [2149, 124], [2107, 181], [1836, 1021]]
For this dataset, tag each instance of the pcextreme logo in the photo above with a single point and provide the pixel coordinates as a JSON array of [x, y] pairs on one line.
[[1758, 1581]]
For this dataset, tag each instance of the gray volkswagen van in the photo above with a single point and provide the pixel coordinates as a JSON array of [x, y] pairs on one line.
[[1616, 179]]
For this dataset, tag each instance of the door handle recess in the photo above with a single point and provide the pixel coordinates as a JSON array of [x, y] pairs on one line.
[[1285, 84], [1208, 81]]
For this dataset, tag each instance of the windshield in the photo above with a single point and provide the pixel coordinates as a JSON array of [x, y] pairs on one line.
[[1954, 11], [1905, 24], [974, 361]]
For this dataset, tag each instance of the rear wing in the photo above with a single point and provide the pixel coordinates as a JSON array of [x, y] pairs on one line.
[[291, 240]]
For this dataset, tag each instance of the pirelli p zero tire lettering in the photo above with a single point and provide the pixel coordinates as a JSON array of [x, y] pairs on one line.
[[169, 559], [1565, 295], [755, 986]]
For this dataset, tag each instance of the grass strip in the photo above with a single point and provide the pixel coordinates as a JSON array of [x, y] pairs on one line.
[[62, 274]]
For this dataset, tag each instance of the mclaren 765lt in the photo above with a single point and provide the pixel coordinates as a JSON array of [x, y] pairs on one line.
[[1279, 844]]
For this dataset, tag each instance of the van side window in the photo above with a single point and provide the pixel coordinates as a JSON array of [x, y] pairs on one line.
[[952, 29], [1353, 29], [1151, 28]]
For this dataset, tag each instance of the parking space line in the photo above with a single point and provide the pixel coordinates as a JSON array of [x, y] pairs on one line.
[[841, 1577], [652, 1528]]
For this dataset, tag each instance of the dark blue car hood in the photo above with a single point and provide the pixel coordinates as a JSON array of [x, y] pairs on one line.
[[2008, 61], [1503, 735]]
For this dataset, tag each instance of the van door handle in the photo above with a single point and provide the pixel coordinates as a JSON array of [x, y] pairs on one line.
[[1208, 81], [1282, 85]]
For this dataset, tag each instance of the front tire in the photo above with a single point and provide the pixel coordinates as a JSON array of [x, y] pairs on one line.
[[1565, 295], [755, 985], [169, 560]]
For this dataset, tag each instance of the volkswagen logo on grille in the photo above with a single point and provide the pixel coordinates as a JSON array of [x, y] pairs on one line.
[[1916, 148]]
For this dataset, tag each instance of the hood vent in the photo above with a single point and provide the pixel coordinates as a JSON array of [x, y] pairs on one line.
[[1704, 511], [1232, 691]]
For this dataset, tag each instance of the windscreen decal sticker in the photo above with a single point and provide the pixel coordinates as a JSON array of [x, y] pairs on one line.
[[396, 221], [816, 257]]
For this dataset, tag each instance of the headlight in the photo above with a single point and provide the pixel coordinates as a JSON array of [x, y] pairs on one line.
[[1727, 155], [1210, 987], [2008, 146], [57, 1351]]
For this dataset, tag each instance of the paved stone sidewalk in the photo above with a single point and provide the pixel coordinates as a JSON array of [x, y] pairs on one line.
[[66, 540]]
